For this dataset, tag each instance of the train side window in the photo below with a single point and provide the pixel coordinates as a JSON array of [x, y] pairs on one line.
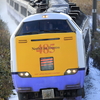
[[23, 11], [87, 40], [11, 3], [76, 25], [16, 7]]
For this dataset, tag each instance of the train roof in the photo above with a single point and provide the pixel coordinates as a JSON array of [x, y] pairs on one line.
[[49, 16]]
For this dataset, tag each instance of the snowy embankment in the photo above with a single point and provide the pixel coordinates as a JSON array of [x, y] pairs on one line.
[[91, 85], [13, 97]]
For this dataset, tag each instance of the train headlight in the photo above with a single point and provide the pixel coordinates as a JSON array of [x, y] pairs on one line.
[[24, 74], [70, 71], [21, 74], [27, 74], [74, 71]]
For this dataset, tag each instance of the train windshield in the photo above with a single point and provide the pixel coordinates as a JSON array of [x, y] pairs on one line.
[[44, 26]]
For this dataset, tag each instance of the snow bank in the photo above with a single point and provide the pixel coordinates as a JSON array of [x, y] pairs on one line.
[[13, 97], [92, 84]]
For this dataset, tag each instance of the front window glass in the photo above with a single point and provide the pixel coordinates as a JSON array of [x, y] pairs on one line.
[[44, 26]]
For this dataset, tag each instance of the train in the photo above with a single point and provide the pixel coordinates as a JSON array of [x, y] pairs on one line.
[[50, 53]]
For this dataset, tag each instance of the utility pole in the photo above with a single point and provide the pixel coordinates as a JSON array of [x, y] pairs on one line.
[[94, 16]]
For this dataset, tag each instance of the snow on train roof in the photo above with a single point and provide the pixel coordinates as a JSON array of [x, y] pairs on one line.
[[57, 2]]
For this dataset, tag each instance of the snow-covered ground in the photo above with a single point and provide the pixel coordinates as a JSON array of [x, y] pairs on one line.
[[14, 97], [98, 29], [91, 85]]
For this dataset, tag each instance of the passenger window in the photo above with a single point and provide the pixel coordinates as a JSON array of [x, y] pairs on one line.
[[23, 11], [11, 3], [16, 7], [87, 41]]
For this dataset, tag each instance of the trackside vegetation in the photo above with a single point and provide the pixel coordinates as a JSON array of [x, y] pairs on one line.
[[5, 73], [95, 53]]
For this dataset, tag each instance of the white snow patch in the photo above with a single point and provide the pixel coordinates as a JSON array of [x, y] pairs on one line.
[[57, 2], [90, 21], [14, 97], [98, 29], [92, 84]]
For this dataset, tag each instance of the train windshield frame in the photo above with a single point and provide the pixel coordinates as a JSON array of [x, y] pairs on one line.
[[44, 26]]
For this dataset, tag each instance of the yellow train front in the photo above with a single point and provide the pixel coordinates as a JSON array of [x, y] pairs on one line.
[[47, 57]]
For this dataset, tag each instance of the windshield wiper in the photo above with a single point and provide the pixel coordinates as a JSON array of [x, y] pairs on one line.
[[30, 33], [54, 30], [58, 30], [45, 30]]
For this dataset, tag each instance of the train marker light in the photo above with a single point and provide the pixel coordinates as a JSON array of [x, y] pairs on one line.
[[45, 16]]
